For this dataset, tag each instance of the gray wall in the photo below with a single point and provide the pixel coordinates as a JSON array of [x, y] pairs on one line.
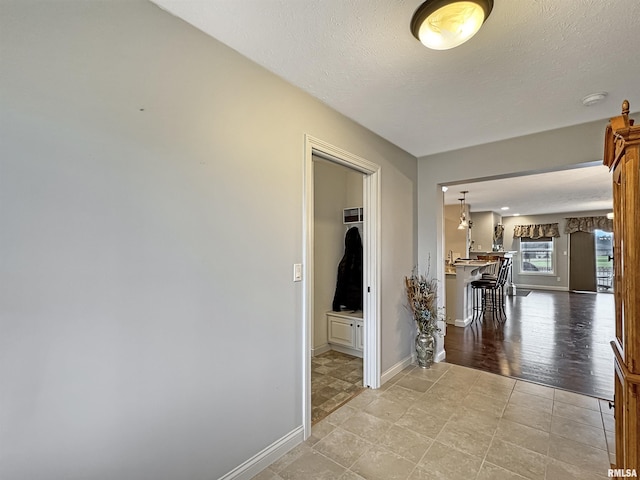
[[151, 207]]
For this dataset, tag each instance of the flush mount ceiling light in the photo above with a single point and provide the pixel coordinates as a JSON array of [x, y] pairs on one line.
[[444, 24]]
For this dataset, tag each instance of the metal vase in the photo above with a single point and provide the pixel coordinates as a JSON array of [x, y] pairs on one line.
[[424, 350]]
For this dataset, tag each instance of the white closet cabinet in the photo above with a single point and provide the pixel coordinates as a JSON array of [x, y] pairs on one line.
[[346, 332]]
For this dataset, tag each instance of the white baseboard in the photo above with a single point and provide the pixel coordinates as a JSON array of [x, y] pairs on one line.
[[397, 368], [266, 457], [349, 351], [320, 350], [541, 287], [463, 323]]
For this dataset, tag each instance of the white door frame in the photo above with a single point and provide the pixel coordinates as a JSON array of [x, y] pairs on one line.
[[371, 265]]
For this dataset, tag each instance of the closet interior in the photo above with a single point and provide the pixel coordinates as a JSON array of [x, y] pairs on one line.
[[338, 321]]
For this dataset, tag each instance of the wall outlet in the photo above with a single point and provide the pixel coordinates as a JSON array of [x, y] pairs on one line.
[[558, 279]]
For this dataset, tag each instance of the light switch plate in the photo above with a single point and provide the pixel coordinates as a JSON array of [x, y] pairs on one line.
[[297, 272]]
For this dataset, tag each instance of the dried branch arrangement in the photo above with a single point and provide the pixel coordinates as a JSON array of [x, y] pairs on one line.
[[423, 302]]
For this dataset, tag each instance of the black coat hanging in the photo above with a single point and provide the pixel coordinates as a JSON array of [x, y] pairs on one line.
[[349, 285]]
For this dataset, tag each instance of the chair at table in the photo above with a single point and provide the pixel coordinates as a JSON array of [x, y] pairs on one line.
[[488, 294]]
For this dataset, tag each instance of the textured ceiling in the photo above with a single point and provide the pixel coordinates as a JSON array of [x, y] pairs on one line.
[[526, 71]]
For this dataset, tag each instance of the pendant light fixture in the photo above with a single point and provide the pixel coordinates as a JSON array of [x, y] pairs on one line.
[[444, 24], [463, 214]]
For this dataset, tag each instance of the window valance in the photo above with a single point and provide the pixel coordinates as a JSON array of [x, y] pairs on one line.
[[588, 224], [536, 231]]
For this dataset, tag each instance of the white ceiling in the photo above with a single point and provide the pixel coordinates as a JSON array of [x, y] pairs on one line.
[[575, 190], [526, 71]]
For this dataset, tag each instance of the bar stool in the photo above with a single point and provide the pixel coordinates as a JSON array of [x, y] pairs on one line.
[[488, 294], [491, 272]]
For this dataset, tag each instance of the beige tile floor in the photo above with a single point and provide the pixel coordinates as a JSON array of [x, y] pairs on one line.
[[335, 379], [452, 422]]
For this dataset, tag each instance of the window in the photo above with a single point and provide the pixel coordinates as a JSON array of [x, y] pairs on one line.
[[536, 255]]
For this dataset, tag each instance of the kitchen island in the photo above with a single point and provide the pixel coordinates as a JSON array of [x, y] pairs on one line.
[[459, 292]]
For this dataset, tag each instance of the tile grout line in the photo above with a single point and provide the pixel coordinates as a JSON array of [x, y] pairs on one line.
[[494, 436], [484, 458], [546, 466]]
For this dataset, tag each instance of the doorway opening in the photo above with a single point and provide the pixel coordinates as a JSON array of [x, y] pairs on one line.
[[317, 150], [337, 320], [552, 327]]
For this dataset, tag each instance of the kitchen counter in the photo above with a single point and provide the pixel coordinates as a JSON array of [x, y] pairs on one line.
[[466, 272]]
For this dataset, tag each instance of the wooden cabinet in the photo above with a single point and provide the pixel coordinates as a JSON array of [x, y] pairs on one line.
[[346, 332], [622, 156]]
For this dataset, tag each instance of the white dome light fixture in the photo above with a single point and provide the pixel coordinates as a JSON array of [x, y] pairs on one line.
[[445, 24]]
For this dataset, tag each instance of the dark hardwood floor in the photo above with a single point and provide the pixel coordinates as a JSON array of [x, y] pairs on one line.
[[559, 339]]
